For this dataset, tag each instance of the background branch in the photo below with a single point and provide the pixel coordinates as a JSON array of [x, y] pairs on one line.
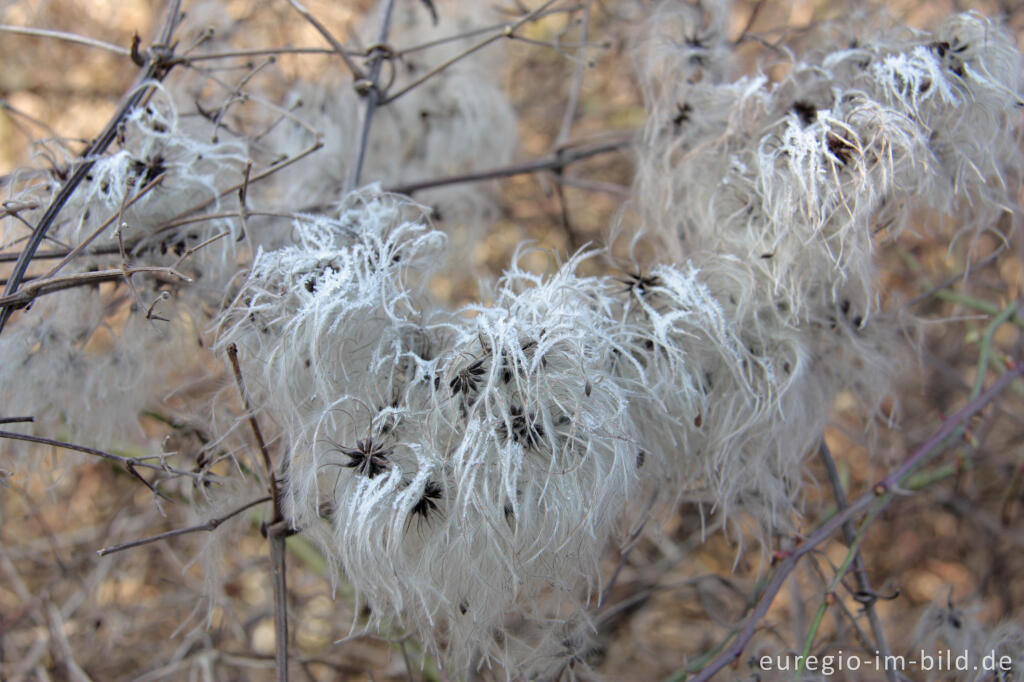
[[207, 526], [159, 63], [879, 497], [369, 89], [868, 595], [558, 159]]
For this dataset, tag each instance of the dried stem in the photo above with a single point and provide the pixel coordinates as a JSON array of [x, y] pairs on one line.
[[132, 243], [104, 225], [40, 287], [507, 31], [129, 463], [267, 463], [264, 52], [880, 496], [158, 65], [237, 95], [369, 88], [577, 80], [69, 37], [276, 534], [477, 31], [210, 525], [559, 159], [859, 571], [357, 73], [277, 531], [16, 420]]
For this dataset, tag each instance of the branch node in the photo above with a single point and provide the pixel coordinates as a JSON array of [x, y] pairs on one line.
[[364, 86], [137, 57]]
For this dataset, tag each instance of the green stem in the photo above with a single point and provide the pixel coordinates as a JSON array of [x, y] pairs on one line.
[[985, 349], [851, 553]]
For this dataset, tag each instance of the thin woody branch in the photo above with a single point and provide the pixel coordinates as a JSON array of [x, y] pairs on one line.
[[879, 497], [276, 531], [368, 88], [557, 160], [507, 31], [207, 526], [158, 64], [40, 287], [129, 463], [859, 570]]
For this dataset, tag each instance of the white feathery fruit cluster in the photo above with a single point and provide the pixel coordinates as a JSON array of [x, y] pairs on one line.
[[466, 469], [77, 371], [508, 477], [477, 463], [154, 144], [794, 177], [74, 361], [328, 319], [191, 166], [945, 627]]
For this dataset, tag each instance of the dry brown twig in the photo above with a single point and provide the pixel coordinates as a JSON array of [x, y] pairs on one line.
[[368, 87], [158, 62], [336, 46], [879, 496], [48, 285], [507, 31], [864, 589], [129, 463], [276, 531], [559, 159], [69, 37], [207, 526]]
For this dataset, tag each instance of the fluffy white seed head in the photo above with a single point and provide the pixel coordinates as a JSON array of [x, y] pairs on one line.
[[154, 143], [790, 182], [795, 177], [946, 626], [476, 464], [81, 371], [325, 321]]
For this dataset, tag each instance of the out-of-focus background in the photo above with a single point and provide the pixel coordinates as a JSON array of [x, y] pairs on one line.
[[954, 544]]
